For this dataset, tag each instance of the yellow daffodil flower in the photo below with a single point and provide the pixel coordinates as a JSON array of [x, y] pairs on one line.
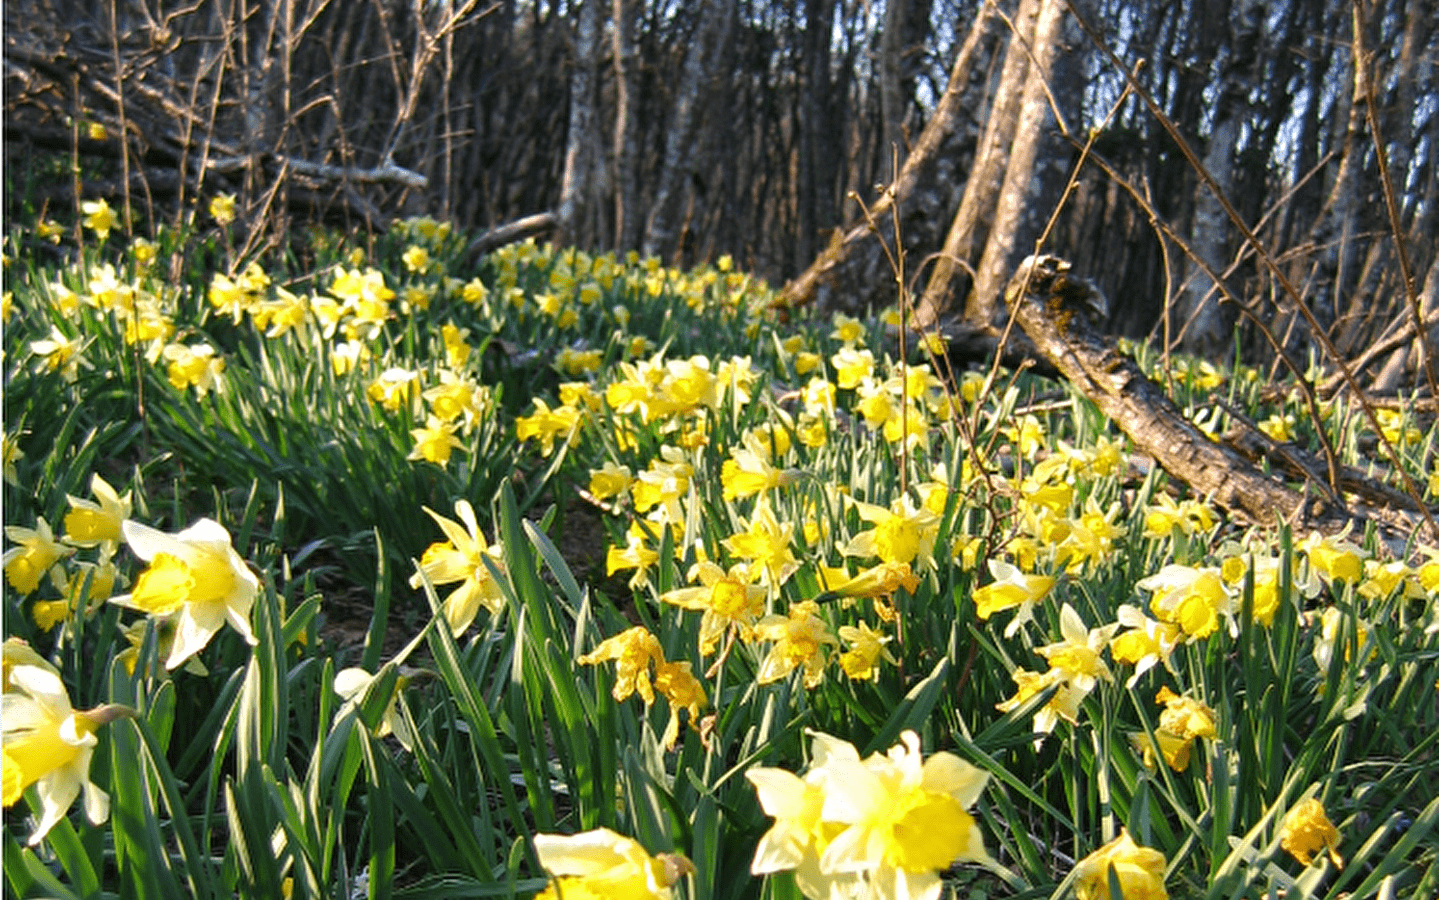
[[610, 480], [861, 661], [601, 865], [1011, 589], [435, 442], [195, 576], [90, 523], [37, 552], [99, 217], [902, 534], [633, 651], [1194, 599], [48, 744], [1078, 658], [728, 600], [799, 641], [462, 557], [1306, 830], [1145, 643], [351, 685], [1139, 871], [222, 208]]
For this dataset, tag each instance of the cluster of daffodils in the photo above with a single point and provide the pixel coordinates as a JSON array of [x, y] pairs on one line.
[[194, 584], [886, 825]]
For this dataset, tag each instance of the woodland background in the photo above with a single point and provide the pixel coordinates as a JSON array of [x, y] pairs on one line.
[[1179, 153]]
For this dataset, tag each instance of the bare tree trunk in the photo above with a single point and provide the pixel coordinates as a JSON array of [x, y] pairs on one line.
[[711, 35], [1038, 164], [845, 275], [626, 132], [892, 103], [577, 183], [971, 223], [1206, 328]]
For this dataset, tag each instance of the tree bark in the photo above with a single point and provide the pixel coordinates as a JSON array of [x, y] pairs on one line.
[[626, 130], [848, 274], [577, 183], [1038, 164], [710, 37], [1205, 327], [971, 223]]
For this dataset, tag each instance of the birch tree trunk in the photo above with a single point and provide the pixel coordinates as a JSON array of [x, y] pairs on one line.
[[1038, 164], [971, 223], [626, 130], [847, 275], [1205, 327], [577, 183], [711, 36]]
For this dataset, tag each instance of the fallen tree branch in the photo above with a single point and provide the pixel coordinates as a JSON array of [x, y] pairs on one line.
[[508, 233], [1049, 306]]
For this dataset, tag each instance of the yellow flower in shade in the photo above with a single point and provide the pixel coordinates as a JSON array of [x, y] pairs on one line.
[[1078, 658], [36, 553], [193, 366], [58, 353], [1139, 871], [1172, 747], [603, 865], [48, 744], [866, 648], [1334, 633], [1164, 516], [457, 398], [847, 330], [99, 217], [435, 442], [610, 480], [12, 455], [852, 367], [346, 355], [1185, 716], [905, 819], [901, 534], [462, 557], [416, 259], [1334, 558], [1306, 830], [728, 599], [90, 523], [1011, 589], [352, 684], [1145, 643], [394, 388], [222, 208], [1193, 599], [800, 638], [195, 576], [633, 651], [634, 554], [678, 685], [457, 349]]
